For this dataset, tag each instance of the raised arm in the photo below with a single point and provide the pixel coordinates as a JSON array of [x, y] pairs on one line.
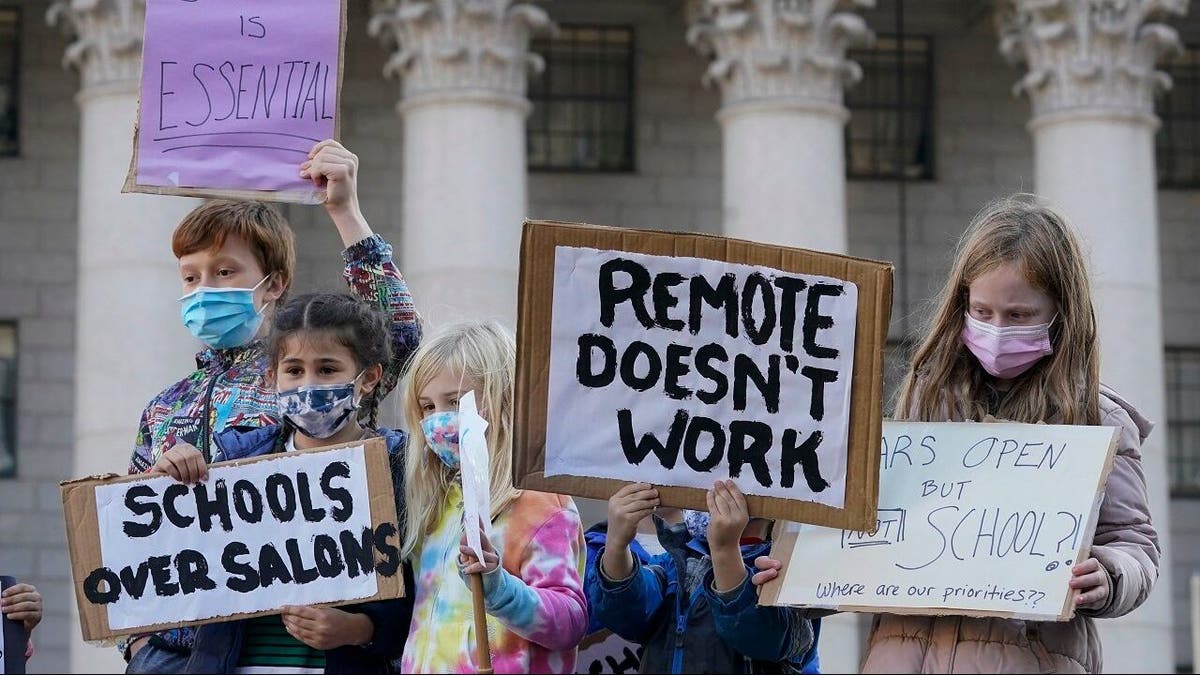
[[370, 271]]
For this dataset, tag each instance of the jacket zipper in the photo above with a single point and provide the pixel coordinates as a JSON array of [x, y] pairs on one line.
[[204, 419], [680, 624]]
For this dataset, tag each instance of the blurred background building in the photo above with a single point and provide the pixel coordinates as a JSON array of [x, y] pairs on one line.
[[871, 127]]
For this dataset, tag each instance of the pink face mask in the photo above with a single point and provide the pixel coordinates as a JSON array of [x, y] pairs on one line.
[[1006, 352]]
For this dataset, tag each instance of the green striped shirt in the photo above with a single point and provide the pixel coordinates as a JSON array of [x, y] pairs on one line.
[[266, 643]]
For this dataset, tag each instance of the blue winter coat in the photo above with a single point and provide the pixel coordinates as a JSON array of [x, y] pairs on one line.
[[218, 645], [690, 629]]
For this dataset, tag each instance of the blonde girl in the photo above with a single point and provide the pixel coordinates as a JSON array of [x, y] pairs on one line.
[[533, 591]]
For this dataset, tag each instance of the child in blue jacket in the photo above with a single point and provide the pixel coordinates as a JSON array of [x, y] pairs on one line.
[[693, 608]]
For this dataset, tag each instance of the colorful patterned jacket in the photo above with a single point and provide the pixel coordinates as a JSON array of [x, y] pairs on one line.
[[229, 388], [537, 613]]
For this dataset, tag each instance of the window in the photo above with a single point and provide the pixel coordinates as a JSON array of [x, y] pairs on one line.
[[10, 47], [582, 117], [8, 399], [890, 135], [1183, 421], [1178, 140]]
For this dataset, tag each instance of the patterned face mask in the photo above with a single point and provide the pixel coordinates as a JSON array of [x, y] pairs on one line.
[[697, 523], [441, 433], [319, 410]]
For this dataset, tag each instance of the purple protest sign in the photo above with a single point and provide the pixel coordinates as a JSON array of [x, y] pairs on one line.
[[234, 94]]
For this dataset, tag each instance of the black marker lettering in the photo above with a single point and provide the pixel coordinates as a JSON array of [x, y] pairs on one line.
[[136, 529], [634, 292], [814, 320], [584, 371], [345, 501], [635, 451]]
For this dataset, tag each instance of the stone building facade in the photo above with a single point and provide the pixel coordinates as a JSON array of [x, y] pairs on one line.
[[773, 120]]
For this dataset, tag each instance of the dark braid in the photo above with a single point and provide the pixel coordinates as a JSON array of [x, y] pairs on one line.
[[357, 325]]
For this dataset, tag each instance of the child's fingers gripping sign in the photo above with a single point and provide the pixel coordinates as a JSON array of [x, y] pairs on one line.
[[332, 167], [1093, 583], [184, 463], [768, 568], [22, 602], [469, 562], [316, 627], [727, 511]]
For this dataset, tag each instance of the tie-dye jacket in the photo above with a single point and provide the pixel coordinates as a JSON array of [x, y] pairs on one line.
[[537, 612], [229, 388]]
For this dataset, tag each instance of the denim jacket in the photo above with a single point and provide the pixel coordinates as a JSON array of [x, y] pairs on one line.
[[685, 625]]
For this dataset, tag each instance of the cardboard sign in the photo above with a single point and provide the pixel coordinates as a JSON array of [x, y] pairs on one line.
[[313, 527], [12, 639], [679, 359], [977, 519], [234, 95], [606, 652]]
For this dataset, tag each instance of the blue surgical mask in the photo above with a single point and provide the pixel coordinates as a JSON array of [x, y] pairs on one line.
[[222, 317], [319, 410], [441, 433]]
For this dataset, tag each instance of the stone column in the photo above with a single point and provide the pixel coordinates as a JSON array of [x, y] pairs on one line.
[[1091, 79], [782, 67], [462, 66], [129, 341]]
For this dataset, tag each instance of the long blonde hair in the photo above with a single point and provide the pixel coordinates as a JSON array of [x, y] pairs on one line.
[[946, 382], [480, 352]]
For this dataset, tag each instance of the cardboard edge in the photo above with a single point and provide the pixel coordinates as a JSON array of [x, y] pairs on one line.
[[1088, 532], [925, 611], [94, 619], [382, 502], [566, 224], [533, 307], [279, 196], [337, 101], [130, 184], [783, 544], [78, 497]]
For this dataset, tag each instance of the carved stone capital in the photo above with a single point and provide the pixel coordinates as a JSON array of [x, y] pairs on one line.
[[459, 48], [1089, 57], [108, 40], [791, 52]]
